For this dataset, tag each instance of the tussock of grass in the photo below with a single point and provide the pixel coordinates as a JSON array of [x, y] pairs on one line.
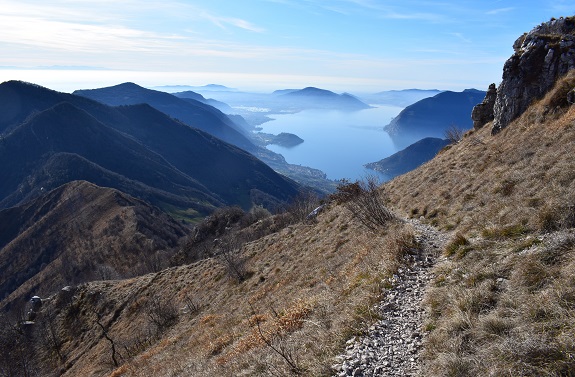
[[504, 313]]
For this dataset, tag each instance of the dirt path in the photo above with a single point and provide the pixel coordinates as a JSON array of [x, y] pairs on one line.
[[391, 346]]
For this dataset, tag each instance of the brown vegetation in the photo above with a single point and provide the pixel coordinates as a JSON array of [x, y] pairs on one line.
[[502, 302], [306, 287], [251, 294]]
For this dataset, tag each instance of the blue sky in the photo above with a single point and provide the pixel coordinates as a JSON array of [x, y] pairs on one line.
[[342, 45]]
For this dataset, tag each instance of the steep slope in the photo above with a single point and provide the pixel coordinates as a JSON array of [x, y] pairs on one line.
[[528, 165], [431, 117], [196, 155], [503, 299], [79, 232], [233, 174], [192, 112], [65, 130], [306, 287], [204, 117]]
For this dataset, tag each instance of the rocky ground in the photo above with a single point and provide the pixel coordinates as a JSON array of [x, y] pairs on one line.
[[391, 346]]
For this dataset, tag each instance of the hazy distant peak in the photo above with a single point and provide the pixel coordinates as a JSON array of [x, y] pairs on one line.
[[310, 90], [191, 95], [322, 98], [216, 86]]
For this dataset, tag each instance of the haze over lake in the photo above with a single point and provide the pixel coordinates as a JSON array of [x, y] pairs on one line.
[[338, 143]]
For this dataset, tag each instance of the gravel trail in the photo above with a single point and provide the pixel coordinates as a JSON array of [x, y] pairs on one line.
[[391, 346]]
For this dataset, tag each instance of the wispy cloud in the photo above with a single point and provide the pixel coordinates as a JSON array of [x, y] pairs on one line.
[[77, 37], [221, 22], [461, 37], [397, 10], [58, 33], [500, 10]]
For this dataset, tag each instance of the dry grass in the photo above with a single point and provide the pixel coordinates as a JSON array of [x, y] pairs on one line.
[[523, 176], [502, 302], [311, 287]]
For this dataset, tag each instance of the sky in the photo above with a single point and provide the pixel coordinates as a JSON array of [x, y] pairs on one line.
[[358, 46]]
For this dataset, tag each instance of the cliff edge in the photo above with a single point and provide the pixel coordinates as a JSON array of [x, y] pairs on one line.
[[541, 57]]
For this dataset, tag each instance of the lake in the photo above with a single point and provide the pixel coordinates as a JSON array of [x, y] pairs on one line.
[[338, 143]]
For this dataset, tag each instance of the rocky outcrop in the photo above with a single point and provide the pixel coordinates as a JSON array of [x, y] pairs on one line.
[[541, 56], [483, 112]]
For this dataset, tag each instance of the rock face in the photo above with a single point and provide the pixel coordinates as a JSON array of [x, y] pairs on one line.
[[541, 56], [483, 112]]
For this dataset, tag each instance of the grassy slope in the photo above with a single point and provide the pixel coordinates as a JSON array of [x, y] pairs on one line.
[[503, 301], [309, 287]]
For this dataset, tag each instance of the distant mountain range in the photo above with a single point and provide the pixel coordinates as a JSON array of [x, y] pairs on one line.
[[431, 117], [281, 101], [190, 110], [202, 88], [315, 98], [51, 138]]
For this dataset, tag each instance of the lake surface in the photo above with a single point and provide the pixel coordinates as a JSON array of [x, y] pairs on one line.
[[338, 143]]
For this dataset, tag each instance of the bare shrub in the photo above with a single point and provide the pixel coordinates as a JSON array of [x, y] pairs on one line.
[[229, 254], [454, 134], [191, 307], [278, 342], [216, 224], [162, 312], [302, 205], [255, 214], [17, 353], [346, 191], [366, 202]]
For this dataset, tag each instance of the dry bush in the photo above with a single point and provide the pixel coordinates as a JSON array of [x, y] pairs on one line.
[[299, 209], [365, 201], [229, 253], [454, 134], [163, 312]]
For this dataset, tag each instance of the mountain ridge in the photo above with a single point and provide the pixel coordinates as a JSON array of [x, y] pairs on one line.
[[192, 112], [177, 150], [433, 116]]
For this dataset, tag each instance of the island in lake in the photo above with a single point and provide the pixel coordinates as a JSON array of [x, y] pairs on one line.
[[283, 139]]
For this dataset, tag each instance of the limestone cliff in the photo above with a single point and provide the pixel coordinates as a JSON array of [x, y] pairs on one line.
[[541, 56]]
